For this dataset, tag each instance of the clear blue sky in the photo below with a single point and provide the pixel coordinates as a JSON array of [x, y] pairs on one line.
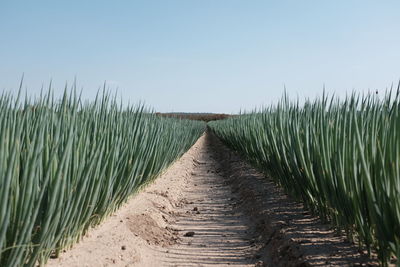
[[208, 55]]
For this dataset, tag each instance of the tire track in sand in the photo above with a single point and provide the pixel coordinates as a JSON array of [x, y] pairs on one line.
[[220, 230]]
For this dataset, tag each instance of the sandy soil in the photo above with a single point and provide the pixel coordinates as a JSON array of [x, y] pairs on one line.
[[212, 208]]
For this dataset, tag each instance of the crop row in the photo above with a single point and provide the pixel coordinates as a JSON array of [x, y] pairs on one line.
[[340, 157], [65, 165]]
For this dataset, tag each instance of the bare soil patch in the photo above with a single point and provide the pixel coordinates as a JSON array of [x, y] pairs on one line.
[[146, 227], [212, 208]]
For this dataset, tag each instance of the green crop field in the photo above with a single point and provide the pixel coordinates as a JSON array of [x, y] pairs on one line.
[[65, 166], [340, 157]]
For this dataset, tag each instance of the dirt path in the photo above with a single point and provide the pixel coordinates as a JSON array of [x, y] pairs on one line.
[[221, 231], [211, 208]]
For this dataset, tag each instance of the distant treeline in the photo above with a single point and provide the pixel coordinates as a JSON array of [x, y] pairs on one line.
[[196, 116]]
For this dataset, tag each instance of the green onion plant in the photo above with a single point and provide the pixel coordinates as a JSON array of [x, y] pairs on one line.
[[65, 165], [340, 157]]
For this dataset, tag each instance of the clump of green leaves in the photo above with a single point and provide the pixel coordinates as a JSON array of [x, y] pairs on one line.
[[65, 166], [341, 158]]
